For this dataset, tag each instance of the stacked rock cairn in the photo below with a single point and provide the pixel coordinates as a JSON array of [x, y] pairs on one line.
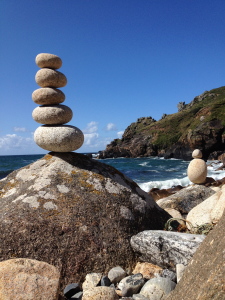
[[197, 169], [54, 135]]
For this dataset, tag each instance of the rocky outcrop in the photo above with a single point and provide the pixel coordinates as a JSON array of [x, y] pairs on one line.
[[203, 279], [74, 213], [197, 125]]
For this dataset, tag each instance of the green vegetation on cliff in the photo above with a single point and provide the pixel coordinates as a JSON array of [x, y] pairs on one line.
[[199, 124]]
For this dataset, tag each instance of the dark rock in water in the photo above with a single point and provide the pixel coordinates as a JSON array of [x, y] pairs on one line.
[[75, 213], [203, 278], [71, 289]]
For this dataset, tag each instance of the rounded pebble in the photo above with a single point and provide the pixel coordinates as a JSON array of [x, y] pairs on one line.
[[59, 138], [48, 95], [47, 60], [52, 114], [50, 78], [197, 153], [197, 171]]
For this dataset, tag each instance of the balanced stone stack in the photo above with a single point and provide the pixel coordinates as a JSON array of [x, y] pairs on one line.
[[53, 135], [197, 169]]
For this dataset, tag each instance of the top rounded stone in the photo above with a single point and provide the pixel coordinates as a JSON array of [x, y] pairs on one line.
[[197, 153], [47, 60]]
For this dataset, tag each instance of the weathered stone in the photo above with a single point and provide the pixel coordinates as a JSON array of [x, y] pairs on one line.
[[100, 293], [47, 60], [203, 279], [71, 289], [157, 288], [116, 274], [72, 203], [186, 199], [28, 279], [139, 297], [59, 138], [91, 280], [148, 270], [131, 284], [175, 214], [50, 78], [52, 114], [166, 273], [197, 153], [209, 211], [47, 96], [179, 271], [197, 171], [165, 248]]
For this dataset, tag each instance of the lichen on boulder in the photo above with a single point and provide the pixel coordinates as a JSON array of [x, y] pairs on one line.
[[74, 213]]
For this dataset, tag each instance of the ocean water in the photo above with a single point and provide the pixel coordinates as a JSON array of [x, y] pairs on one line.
[[149, 172]]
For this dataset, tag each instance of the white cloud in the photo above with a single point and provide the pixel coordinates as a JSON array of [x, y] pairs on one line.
[[13, 143], [111, 127], [91, 139], [91, 127], [119, 134], [19, 129]]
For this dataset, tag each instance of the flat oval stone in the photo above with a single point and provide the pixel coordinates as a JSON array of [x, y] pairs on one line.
[[52, 114], [48, 95], [47, 60], [50, 78], [59, 138], [197, 153], [197, 171]]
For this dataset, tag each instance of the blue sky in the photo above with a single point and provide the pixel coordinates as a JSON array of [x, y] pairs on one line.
[[123, 59]]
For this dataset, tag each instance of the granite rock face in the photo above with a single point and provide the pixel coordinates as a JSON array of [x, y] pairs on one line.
[[52, 114], [59, 138], [164, 248], [28, 279], [203, 279], [48, 95], [75, 213]]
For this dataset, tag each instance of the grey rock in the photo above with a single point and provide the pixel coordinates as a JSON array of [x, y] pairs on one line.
[[131, 285], [47, 60], [59, 138], [116, 274], [50, 78], [166, 273], [71, 289], [47, 96], [52, 114], [164, 248], [157, 288], [77, 296], [186, 199], [105, 281]]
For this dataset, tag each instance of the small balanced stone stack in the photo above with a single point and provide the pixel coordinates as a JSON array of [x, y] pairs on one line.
[[197, 169], [53, 135]]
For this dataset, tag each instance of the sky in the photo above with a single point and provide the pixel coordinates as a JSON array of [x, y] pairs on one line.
[[123, 59]]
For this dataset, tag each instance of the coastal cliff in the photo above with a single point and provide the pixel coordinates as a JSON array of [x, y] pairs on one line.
[[199, 124]]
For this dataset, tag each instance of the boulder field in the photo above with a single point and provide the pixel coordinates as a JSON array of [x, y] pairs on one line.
[[74, 213]]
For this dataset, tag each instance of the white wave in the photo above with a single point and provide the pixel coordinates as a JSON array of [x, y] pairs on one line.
[[143, 164], [164, 184]]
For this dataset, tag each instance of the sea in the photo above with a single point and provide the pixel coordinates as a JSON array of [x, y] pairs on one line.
[[148, 172]]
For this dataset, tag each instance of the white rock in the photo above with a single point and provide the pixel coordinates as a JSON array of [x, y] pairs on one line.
[[197, 153], [100, 293], [47, 95], [50, 78], [59, 138], [209, 211], [180, 270], [47, 60], [166, 248], [52, 114], [197, 171]]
